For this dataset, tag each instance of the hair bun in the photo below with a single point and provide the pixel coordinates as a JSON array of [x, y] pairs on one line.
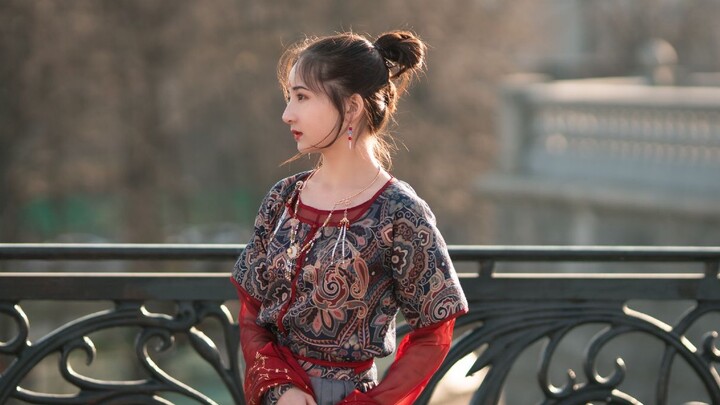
[[405, 50]]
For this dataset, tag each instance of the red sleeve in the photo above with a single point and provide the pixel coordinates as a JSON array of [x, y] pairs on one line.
[[252, 336], [419, 355], [267, 364]]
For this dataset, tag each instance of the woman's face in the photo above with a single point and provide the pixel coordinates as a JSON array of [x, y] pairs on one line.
[[312, 117]]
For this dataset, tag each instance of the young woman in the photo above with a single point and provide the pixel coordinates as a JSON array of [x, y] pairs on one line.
[[337, 251]]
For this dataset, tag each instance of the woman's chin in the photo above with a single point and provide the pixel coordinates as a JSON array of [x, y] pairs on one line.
[[306, 149]]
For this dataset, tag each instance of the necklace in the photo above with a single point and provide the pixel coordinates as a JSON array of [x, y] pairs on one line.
[[296, 249]]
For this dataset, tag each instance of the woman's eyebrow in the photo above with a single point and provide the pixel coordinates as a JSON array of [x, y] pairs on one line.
[[299, 88]]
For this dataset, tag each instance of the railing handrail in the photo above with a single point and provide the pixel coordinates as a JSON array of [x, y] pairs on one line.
[[490, 285], [59, 286], [555, 253]]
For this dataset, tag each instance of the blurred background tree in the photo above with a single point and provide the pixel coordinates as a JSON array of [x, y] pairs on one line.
[[159, 120]]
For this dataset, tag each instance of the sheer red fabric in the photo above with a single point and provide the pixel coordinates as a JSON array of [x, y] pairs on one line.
[[419, 355], [267, 364]]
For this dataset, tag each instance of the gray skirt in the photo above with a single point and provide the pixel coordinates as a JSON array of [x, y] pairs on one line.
[[329, 391]]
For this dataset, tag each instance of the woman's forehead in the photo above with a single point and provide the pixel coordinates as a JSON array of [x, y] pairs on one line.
[[307, 72], [294, 79]]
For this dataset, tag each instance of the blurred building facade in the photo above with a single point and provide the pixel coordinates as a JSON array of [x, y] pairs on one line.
[[607, 161], [593, 152]]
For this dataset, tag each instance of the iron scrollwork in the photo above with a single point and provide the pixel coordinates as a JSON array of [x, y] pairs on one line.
[[154, 327], [506, 329]]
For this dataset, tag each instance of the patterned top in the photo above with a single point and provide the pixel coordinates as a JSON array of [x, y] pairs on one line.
[[342, 308]]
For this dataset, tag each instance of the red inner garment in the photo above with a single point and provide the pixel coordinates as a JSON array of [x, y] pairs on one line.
[[314, 216]]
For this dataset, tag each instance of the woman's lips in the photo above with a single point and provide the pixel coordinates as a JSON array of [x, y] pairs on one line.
[[297, 134]]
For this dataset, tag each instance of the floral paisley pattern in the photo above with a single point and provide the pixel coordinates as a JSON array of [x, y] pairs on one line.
[[344, 308]]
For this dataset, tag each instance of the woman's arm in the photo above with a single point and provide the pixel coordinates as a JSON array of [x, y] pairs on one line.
[[270, 368], [252, 336], [252, 339], [430, 297], [419, 355]]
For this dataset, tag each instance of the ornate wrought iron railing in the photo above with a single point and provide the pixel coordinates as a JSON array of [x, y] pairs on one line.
[[509, 313]]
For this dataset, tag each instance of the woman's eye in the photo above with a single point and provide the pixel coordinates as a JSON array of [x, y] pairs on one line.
[[301, 97]]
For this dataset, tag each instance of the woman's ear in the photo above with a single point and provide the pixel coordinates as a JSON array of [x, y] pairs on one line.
[[354, 109]]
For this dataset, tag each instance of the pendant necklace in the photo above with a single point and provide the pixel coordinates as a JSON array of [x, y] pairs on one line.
[[296, 248]]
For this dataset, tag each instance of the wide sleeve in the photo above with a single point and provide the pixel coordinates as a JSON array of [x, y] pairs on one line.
[[269, 367], [430, 297], [426, 284], [419, 355]]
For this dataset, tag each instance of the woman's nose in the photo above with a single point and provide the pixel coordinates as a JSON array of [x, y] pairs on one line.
[[287, 115]]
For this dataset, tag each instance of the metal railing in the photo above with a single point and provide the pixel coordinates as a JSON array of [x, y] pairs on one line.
[[509, 313]]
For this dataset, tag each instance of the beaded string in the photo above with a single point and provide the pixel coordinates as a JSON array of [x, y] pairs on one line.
[[344, 224], [295, 249]]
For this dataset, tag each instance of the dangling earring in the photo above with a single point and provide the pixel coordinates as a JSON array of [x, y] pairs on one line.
[[349, 137]]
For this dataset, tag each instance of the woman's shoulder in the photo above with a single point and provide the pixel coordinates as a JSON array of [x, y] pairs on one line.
[[281, 191], [290, 181], [286, 184], [403, 198]]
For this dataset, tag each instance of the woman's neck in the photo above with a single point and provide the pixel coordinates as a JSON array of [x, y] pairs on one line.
[[344, 169]]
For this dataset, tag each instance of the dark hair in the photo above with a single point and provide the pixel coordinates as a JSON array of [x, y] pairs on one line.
[[345, 64]]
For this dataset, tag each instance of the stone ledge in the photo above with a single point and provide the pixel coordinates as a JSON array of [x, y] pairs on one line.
[[623, 196]]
